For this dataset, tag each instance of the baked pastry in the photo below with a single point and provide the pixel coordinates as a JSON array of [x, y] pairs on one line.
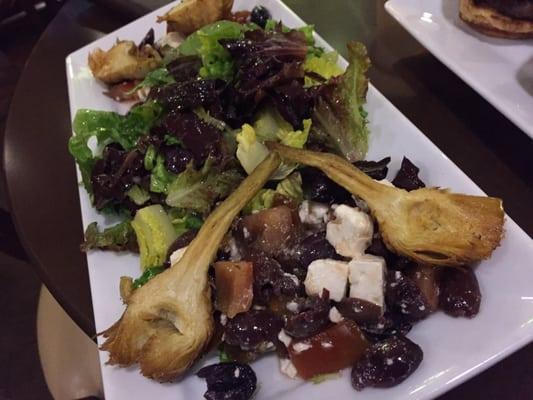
[[511, 19]]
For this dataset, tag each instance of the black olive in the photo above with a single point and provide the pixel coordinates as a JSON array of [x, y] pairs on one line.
[[404, 297], [386, 363], [360, 311], [255, 330], [260, 16], [176, 159], [318, 187], [389, 324], [459, 294], [229, 381], [407, 177], [312, 317]]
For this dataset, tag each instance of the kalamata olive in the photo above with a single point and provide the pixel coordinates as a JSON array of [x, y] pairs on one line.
[[255, 330], [181, 241], [260, 15], [176, 159], [401, 264], [426, 277], [374, 169], [459, 292], [148, 39], [270, 279], [229, 381], [318, 187], [405, 297], [377, 247], [311, 318], [389, 324], [386, 363], [360, 311], [407, 177], [314, 247]]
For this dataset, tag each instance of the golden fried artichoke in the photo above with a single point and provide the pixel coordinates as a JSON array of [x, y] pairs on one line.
[[123, 61], [168, 322], [429, 225], [191, 15]]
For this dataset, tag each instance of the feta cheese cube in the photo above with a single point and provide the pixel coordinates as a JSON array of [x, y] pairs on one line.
[[331, 275], [313, 213], [367, 279], [350, 233]]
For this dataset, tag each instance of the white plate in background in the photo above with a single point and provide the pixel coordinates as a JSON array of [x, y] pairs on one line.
[[500, 70], [454, 349]]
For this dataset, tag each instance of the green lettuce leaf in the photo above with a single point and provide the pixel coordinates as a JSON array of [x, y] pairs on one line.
[[148, 274], [290, 187], [183, 220], [157, 77], [216, 61], [197, 190], [339, 119], [116, 238], [251, 150], [161, 178], [325, 65], [108, 127], [138, 195]]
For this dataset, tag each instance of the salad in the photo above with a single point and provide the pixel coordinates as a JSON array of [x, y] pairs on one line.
[[240, 177]]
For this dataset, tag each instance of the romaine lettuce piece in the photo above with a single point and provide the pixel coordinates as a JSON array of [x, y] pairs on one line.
[[108, 127], [118, 237], [197, 190], [138, 195], [155, 234], [216, 61], [290, 187], [325, 65], [251, 150], [339, 120], [161, 178]]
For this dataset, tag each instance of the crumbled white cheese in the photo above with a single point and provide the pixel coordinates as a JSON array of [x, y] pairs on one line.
[[293, 277], [334, 315], [237, 372], [284, 338], [389, 361], [246, 233], [301, 347], [327, 274], [326, 345], [234, 253], [350, 233], [176, 256], [313, 213], [171, 39], [367, 279], [292, 306], [287, 367], [223, 319]]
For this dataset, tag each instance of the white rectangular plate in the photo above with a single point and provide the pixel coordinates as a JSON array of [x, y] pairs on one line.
[[500, 70], [454, 349]]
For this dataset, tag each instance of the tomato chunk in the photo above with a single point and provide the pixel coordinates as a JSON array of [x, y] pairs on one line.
[[234, 283], [329, 351]]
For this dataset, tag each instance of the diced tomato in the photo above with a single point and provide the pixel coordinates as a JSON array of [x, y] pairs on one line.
[[234, 281], [122, 91], [329, 351]]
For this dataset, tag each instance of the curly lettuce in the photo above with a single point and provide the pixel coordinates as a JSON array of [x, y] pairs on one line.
[[108, 127], [326, 66], [339, 119], [118, 237]]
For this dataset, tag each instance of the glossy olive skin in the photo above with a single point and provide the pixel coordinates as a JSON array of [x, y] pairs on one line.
[[359, 311], [260, 15], [404, 297], [311, 318], [459, 292], [255, 330], [386, 363], [229, 381]]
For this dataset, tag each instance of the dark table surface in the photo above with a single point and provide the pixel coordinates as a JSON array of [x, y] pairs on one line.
[[42, 185]]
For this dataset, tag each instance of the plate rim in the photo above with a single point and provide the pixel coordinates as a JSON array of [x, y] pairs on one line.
[[510, 223]]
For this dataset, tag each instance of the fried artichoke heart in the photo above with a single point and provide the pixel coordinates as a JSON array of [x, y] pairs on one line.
[[429, 225], [123, 61], [191, 15], [168, 322]]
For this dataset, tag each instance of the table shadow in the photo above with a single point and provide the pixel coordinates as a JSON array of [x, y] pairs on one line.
[[525, 76]]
